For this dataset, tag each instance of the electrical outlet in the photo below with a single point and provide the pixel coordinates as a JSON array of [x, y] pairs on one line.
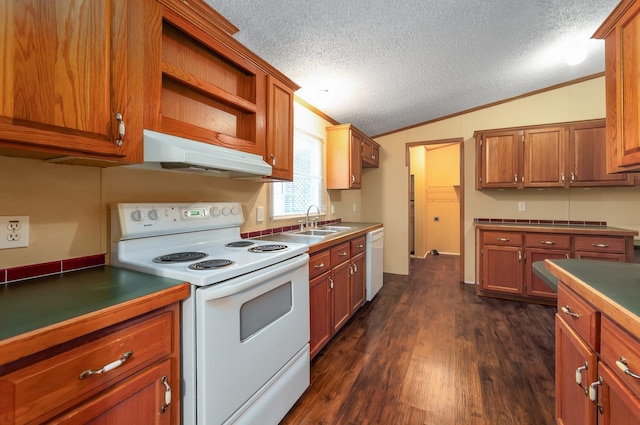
[[14, 232], [260, 214], [522, 206]]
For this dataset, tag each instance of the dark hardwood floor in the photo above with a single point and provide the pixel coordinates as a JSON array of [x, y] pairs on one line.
[[427, 350]]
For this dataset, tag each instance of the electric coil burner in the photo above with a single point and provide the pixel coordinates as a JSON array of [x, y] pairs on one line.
[[268, 248], [247, 314], [210, 264], [179, 257], [240, 244]]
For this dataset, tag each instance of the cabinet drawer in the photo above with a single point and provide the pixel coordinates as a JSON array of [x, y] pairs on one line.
[[547, 240], [617, 345], [319, 263], [502, 238], [340, 253], [357, 246], [599, 244], [43, 389], [580, 315]]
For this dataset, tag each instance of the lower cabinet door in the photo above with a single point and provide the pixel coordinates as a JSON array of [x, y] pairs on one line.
[[319, 313], [575, 362], [139, 399], [358, 290], [619, 405], [341, 297], [502, 269]]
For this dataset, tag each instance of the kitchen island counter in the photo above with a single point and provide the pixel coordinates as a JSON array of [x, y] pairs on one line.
[[612, 288], [39, 313]]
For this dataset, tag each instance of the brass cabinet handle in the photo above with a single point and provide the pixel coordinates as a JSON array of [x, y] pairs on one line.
[[107, 367]]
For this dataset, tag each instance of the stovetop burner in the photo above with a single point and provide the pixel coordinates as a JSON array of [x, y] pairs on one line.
[[179, 257], [210, 264], [239, 244], [268, 248]]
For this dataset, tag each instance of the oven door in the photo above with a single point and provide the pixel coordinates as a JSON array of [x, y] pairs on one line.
[[247, 330]]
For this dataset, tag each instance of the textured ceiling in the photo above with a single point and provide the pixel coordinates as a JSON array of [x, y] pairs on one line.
[[388, 65]]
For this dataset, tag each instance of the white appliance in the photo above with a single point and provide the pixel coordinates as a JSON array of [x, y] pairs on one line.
[[245, 326], [374, 259]]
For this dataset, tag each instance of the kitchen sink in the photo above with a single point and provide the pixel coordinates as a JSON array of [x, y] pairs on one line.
[[336, 228], [316, 232]]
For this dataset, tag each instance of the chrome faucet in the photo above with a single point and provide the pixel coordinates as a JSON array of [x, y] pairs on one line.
[[315, 221]]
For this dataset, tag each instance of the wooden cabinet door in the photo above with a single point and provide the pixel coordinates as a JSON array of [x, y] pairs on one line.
[[340, 295], [619, 405], [588, 158], [502, 269], [320, 313], [279, 129], [356, 161], [573, 406], [357, 282], [534, 286], [68, 69], [544, 157], [137, 400], [499, 157]]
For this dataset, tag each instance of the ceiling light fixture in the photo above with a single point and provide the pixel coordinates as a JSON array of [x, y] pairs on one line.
[[576, 53]]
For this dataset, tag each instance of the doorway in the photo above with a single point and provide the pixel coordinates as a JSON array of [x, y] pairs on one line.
[[436, 198]]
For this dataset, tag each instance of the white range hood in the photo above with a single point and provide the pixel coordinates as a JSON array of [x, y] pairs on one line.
[[164, 151]]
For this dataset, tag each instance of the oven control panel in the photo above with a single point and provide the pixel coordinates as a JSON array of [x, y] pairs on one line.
[[150, 219]]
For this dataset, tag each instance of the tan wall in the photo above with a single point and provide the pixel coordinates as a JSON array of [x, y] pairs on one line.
[[585, 100], [68, 205]]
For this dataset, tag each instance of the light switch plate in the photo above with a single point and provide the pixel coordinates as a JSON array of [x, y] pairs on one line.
[[522, 206]]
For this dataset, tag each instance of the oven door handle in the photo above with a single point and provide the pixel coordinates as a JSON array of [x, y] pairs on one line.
[[229, 288]]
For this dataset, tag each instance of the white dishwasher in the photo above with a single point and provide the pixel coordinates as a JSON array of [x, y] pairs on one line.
[[374, 257]]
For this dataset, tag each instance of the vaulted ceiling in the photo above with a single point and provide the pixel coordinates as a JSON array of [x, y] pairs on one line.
[[385, 65]]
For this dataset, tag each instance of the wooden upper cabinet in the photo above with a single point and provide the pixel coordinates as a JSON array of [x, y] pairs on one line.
[[370, 153], [621, 32], [588, 159], [544, 157], [202, 84], [279, 129], [344, 157], [558, 155], [498, 155], [69, 71]]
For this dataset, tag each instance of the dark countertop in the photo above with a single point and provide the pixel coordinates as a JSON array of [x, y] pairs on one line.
[[316, 243], [547, 277], [46, 304], [613, 288], [557, 228]]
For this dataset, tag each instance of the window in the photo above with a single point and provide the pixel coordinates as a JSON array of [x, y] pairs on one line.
[[292, 199]]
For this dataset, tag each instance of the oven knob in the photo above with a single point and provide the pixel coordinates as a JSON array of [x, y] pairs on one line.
[[136, 215], [214, 211], [235, 210], [226, 211], [154, 214]]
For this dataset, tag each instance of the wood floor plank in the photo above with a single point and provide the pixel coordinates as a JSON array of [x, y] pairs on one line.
[[427, 350]]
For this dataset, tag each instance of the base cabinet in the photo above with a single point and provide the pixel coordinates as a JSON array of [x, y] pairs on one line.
[[336, 290], [126, 373], [505, 258]]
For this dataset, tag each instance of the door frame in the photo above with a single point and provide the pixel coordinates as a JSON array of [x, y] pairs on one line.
[[460, 142]]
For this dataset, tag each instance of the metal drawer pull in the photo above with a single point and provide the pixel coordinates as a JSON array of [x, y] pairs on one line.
[[342, 254], [593, 393], [548, 242], [350, 270], [355, 268], [167, 394], [318, 266], [600, 245], [273, 160], [108, 367], [503, 239], [567, 310], [120, 120], [360, 246], [622, 365]]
